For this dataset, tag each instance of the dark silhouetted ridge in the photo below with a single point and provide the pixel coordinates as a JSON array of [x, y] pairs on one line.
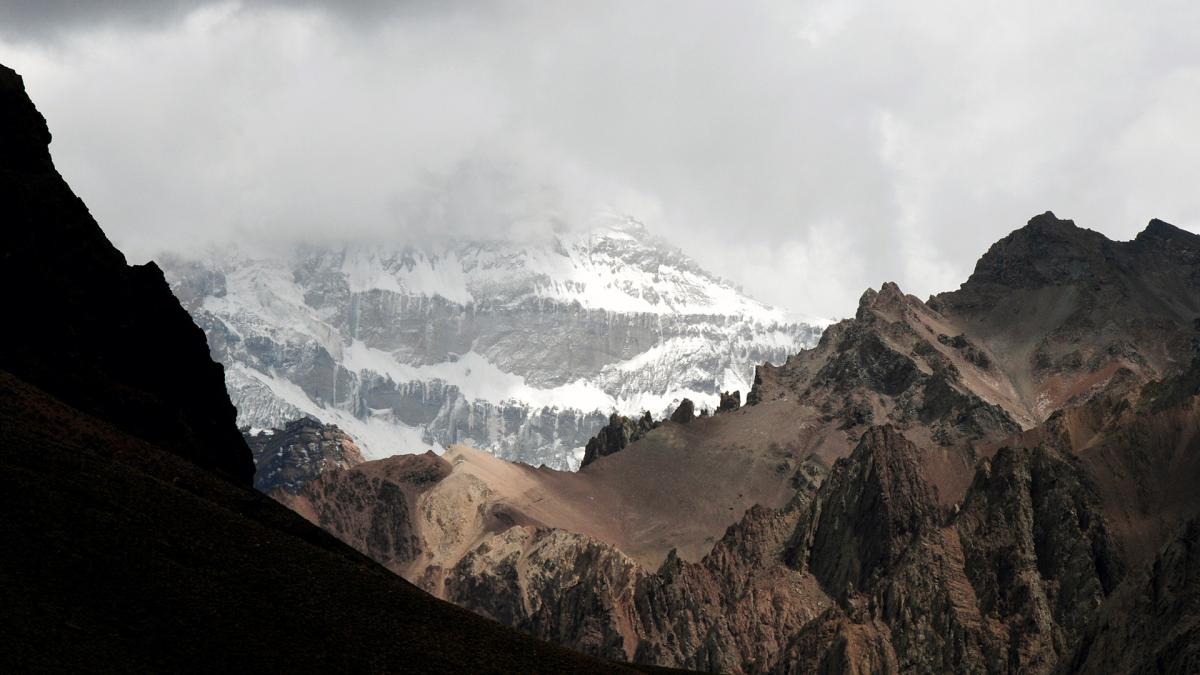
[[106, 338]]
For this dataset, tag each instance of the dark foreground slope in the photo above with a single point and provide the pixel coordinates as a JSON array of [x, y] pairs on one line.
[[132, 540], [120, 556], [105, 337]]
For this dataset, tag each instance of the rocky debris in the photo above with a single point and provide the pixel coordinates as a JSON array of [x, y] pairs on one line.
[[285, 459], [953, 414], [875, 540], [729, 401], [1174, 391], [104, 337], [570, 588], [734, 610], [834, 645], [684, 413], [618, 433]]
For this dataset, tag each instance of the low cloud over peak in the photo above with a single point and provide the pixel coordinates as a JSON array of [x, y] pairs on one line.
[[805, 151]]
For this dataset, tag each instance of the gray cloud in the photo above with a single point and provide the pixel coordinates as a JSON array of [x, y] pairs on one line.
[[804, 150], [39, 20]]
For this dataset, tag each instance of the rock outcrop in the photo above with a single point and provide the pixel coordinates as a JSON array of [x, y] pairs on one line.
[[729, 401], [616, 435], [285, 459], [685, 412]]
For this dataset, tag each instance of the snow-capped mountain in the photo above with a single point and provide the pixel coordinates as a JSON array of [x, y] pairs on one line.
[[522, 349]]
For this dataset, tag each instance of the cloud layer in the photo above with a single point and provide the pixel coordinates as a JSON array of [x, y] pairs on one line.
[[804, 150]]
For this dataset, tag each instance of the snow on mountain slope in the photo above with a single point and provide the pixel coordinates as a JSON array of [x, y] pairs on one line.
[[522, 349]]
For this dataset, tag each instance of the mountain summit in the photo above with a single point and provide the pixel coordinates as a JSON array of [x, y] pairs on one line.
[[517, 348]]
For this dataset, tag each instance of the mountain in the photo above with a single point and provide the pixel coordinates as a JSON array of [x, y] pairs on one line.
[[133, 539], [981, 482], [522, 348]]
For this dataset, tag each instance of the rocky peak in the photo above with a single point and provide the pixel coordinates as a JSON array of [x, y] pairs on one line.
[[874, 504], [1162, 230], [1050, 251], [1047, 251], [685, 412], [1160, 238], [730, 401], [888, 303]]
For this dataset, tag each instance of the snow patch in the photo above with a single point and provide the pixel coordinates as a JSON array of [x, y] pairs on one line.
[[377, 437]]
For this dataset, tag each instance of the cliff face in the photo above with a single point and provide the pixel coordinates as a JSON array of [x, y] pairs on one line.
[[919, 492], [106, 338]]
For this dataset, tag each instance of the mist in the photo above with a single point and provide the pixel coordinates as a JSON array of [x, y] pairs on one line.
[[803, 150]]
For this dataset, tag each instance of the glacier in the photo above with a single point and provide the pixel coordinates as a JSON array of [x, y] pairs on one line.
[[517, 347]]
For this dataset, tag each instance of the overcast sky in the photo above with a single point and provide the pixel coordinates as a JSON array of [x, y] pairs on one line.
[[805, 150]]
